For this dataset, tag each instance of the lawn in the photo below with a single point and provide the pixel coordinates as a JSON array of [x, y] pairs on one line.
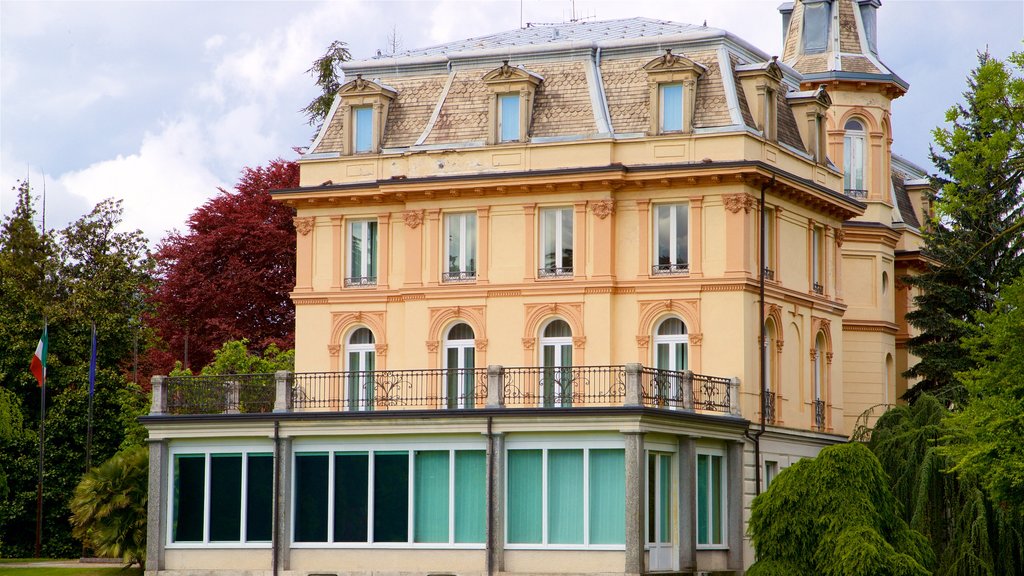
[[6, 569]]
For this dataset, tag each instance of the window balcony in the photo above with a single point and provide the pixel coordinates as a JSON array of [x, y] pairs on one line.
[[819, 414], [458, 276], [441, 390], [670, 269], [769, 274], [553, 272], [857, 194], [360, 281], [818, 288]]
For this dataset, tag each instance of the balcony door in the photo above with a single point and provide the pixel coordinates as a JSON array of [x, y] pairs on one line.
[[556, 360], [459, 362], [659, 512], [670, 359], [359, 386]]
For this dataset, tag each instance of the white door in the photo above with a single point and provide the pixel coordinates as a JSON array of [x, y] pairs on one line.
[[661, 552]]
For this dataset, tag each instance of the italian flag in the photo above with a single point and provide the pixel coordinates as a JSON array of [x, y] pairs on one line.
[[38, 367]]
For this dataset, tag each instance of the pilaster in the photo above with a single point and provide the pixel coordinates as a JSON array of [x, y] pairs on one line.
[[634, 502], [156, 516], [687, 498]]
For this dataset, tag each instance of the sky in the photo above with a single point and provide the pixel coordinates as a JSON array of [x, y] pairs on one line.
[[159, 104]]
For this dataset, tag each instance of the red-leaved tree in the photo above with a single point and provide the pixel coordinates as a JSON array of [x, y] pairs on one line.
[[229, 276]]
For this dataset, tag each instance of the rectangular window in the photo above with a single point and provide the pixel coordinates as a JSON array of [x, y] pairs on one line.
[[671, 107], [556, 241], [769, 243], [362, 128], [853, 165], [671, 247], [362, 250], [710, 500], [817, 258], [363, 497], [566, 497], [508, 118], [460, 248], [215, 496], [771, 470], [816, 23]]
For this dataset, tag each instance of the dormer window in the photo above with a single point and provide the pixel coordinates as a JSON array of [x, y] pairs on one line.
[[511, 104], [853, 159], [867, 17], [809, 109], [672, 80], [817, 14], [364, 111], [671, 107], [761, 84], [508, 118]]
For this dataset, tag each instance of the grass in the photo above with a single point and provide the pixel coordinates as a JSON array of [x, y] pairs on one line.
[[82, 570]]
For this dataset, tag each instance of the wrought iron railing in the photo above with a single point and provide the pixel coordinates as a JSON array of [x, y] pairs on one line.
[[554, 387], [856, 193], [553, 272], [666, 269], [819, 414], [769, 274], [430, 389], [769, 407], [459, 276], [684, 390], [818, 288], [233, 393], [356, 281]]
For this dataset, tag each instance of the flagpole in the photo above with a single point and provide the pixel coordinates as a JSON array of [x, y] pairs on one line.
[[42, 443]]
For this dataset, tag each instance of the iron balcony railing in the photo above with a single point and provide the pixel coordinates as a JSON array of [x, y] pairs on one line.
[[555, 272], [456, 276], [356, 281], [769, 407], [819, 414], [818, 288], [668, 269], [769, 274], [856, 193], [494, 387]]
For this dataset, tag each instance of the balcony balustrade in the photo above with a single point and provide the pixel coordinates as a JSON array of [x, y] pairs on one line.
[[819, 414], [494, 387]]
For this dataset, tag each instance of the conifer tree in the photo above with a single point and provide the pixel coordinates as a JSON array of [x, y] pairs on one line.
[[976, 239]]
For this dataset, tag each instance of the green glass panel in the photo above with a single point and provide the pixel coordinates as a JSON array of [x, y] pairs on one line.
[[566, 254], [665, 498], [607, 497], [549, 384], [311, 485], [355, 268], [454, 225], [371, 250], [431, 496], [525, 497], [468, 382], [369, 384], [716, 500], [548, 229], [353, 380], [351, 496], [391, 497], [470, 496], [702, 499], [565, 496], [471, 243], [652, 498], [225, 497], [189, 497], [259, 497]]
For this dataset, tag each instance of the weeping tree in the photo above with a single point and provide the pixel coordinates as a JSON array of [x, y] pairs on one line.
[[834, 515], [968, 534], [108, 511]]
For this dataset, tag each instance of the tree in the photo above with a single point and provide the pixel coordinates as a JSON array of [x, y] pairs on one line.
[[108, 511], [976, 239], [987, 434], [834, 515], [229, 277], [326, 70]]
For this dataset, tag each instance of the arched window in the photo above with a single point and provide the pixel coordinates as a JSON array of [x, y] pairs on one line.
[[854, 161], [360, 352], [819, 381], [556, 360], [670, 358], [459, 361], [768, 340]]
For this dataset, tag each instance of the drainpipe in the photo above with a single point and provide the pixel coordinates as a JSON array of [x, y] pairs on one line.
[[756, 437], [276, 536]]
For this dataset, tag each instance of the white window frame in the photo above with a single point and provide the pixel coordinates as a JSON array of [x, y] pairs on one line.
[[207, 450], [771, 471], [437, 443], [724, 519], [357, 126], [671, 544], [365, 351], [560, 214], [504, 100], [661, 107], [817, 256], [459, 223], [363, 278], [852, 140], [577, 443], [557, 342], [675, 266], [461, 346]]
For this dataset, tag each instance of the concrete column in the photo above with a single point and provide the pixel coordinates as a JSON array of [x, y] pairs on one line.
[[159, 401], [687, 386], [283, 395], [635, 470], [634, 386], [495, 386], [687, 498], [156, 514], [282, 504], [734, 396], [231, 395], [735, 472], [496, 500]]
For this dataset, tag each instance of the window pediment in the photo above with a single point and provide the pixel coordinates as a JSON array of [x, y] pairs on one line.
[[364, 113], [363, 87], [510, 105], [511, 74], [672, 83], [669, 64]]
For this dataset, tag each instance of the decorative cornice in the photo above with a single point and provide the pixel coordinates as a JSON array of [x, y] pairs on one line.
[[869, 326], [304, 224], [305, 301]]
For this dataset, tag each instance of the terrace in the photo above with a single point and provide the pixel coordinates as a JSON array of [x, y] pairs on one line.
[[494, 387]]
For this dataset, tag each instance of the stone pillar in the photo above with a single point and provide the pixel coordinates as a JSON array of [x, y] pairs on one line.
[[687, 390], [496, 502], [734, 396], [735, 471], [634, 385], [495, 386], [687, 498], [231, 396], [159, 401], [635, 470], [156, 514], [283, 393], [283, 503]]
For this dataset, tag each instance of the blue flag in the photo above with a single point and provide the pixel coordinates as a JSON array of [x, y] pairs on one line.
[[92, 363]]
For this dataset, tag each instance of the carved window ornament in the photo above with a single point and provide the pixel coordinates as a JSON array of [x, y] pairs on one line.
[[810, 107], [412, 218], [364, 113], [761, 84], [672, 83], [304, 224], [510, 102], [604, 208]]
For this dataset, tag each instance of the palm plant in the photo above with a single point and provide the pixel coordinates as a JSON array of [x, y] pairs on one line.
[[108, 510]]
